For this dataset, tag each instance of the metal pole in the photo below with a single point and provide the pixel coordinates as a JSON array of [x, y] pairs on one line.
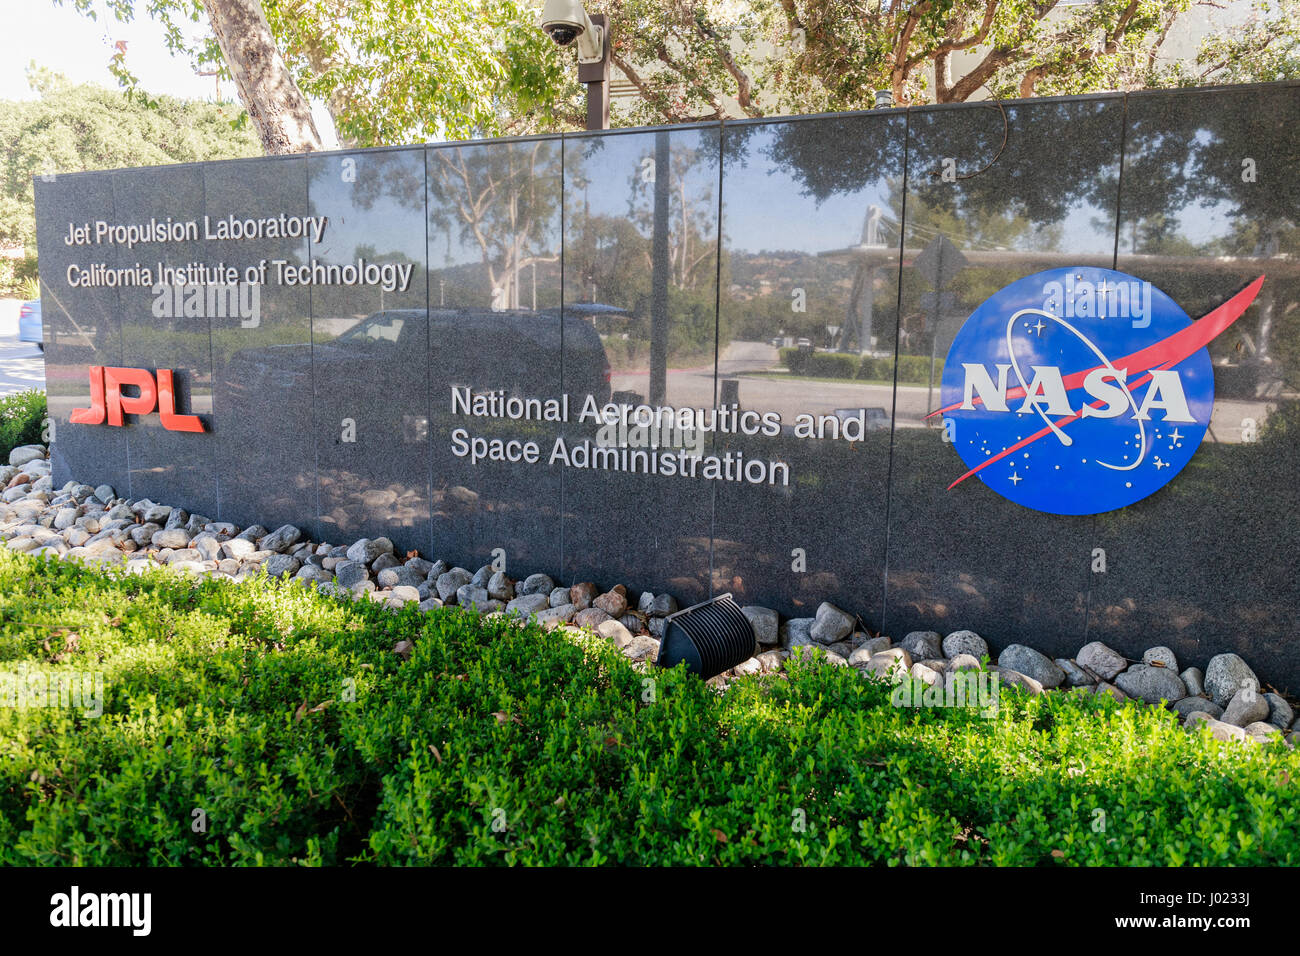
[[596, 77]]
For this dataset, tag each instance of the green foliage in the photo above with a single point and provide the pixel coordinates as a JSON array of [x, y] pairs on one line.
[[499, 744], [22, 418], [71, 128], [912, 369]]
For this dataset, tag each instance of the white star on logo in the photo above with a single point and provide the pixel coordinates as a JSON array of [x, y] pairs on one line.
[[1015, 479], [1160, 464], [1175, 435]]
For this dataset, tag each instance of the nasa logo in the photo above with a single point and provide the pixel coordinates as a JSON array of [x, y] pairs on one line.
[[1078, 391]]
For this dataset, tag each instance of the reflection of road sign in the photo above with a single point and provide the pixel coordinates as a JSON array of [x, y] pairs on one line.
[[932, 302], [939, 262], [1079, 391]]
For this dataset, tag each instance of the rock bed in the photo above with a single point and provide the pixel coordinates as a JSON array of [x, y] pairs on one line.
[[93, 524]]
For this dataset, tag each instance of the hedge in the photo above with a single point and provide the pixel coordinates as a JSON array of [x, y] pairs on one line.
[[264, 723], [912, 369]]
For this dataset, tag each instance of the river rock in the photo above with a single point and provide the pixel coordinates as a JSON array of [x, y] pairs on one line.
[[1226, 675], [964, 642], [831, 624], [766, 624], [1031, 663], [1101, 660]]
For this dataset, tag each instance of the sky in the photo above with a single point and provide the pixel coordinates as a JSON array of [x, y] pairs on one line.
[[80, 48]]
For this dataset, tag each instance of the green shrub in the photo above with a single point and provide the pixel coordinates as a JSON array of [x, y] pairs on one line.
[[22, 418], [286, 719]]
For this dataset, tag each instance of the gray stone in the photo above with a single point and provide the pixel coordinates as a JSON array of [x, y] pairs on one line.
[[964, 642], [616, 632], [766, 624], [105, 493], [501, 587], [528, 604], [1101, 660], [1031, 663], [449, 582], [142, 534], [1226, 675], [65, 518], [797, 632], [1194, 678], [176, 519], [964, 662], [1160, 657], [1151, 684], [195, 524], [281, 538], [207, 545], [366, 550], [923, 645], [440, 567], [559, 597], [1075, 675], [349, 573], [170, 538], [662, 605], [1110, 690], [430, 604], [1280, 713], [385, 561], [924, 673], [420, 566], [24, 453], [1246, 707], [238, 548], [536, 584], [552, 616], [482, 576], [893, 665], [641, 649], [1263, 732], [253, 533], [1014, 678], [399, 576], [470, 595], [405, 594], [831, 624], [156, 514], [1190, 705], [874, 645], [280, 564], [310, 572]]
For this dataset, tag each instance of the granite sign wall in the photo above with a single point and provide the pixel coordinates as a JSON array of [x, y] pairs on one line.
[[756, 357]]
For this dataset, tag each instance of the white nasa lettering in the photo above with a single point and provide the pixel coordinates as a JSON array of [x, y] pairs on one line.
[[1046, 389], [1166, 391], [1105, 384], [978, 380], [1115, 397]]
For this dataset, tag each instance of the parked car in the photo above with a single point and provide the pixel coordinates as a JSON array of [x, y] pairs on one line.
[[29, 324]]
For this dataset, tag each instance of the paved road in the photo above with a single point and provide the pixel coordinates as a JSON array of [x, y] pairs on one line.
[[21, 365]]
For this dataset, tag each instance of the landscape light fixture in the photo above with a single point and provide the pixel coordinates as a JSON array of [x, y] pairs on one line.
[[565, 21]]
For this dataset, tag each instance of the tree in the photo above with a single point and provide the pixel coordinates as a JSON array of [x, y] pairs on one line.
[[394, 71], [71, 128]]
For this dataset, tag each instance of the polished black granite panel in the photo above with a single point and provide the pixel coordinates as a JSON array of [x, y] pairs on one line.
[[82, 327], [640, 305], [261, 365], [779, 267], [995, 194], [1210, 202], [811, 214], [369, 346], [494, 332], [165, 327]]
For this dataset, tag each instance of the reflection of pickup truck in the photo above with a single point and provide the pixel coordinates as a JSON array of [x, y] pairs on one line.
[[518, 351]]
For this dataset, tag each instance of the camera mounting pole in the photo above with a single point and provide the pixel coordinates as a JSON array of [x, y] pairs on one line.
[[596, 78]]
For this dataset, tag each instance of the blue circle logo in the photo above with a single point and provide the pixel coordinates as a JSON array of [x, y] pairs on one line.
[[1081, 390]]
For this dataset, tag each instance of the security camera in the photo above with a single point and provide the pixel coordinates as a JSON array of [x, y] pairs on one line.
[[565, 21]]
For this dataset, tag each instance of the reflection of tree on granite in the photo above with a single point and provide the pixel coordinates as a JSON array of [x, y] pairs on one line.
[[503, 200]]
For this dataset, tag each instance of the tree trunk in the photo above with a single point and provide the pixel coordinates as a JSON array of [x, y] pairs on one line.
[[278, 109]]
